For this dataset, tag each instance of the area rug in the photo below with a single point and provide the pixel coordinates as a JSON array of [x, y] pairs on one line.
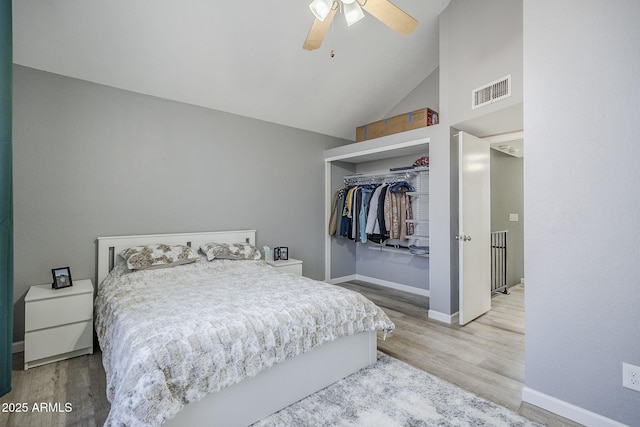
[[392, 393]]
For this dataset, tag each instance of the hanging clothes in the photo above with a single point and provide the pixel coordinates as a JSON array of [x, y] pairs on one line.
[[363, 215], [337, 206], [345, 220], [373, 212], [400, 206], [373, 225]]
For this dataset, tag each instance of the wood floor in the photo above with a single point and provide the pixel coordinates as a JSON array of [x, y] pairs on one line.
[[485, 357], [79, 382]]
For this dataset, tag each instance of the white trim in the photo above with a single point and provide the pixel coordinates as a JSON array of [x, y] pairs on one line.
[[393, 285], [327, 218], [380, 282], [449, 319], [504, 137], [17, 347], [408, 142], [342, 279], [374, 150], [567, 410]]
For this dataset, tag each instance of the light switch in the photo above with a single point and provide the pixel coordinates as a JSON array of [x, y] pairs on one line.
[[513, 217]]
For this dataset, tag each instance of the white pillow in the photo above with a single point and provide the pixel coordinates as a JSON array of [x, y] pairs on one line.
[[158, 256]]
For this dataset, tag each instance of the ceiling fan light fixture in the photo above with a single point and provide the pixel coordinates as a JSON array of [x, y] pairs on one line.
[[352, 12], [321, 8]]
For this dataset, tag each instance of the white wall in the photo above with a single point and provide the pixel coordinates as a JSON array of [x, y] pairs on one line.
[[426, 94], [582, 230], [91, 160]]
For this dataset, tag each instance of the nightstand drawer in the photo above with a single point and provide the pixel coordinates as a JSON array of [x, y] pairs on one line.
[[60, 340], [291, 265], [58, 311], [292, 268]]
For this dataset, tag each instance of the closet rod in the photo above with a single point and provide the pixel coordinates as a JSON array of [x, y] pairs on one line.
[[406, 174]]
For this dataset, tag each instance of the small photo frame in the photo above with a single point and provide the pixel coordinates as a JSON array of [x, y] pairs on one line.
[[281, 253], [61, 277]]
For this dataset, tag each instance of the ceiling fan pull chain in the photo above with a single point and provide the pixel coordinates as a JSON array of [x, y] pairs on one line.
[[332, 52]]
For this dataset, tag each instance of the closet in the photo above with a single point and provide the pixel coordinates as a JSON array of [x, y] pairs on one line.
[[400, 263]]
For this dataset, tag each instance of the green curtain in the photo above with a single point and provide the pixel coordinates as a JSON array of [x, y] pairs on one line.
[[6, 198]]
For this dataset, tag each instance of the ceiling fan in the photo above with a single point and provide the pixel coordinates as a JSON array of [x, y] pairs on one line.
[[385, 11]]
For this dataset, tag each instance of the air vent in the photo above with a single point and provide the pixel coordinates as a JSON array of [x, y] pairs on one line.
[[491, 92]]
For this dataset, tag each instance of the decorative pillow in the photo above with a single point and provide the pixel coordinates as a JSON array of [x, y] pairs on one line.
[[158, 256], [230, 251]]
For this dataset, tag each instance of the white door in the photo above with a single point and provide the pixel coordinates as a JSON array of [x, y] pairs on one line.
[[474, 234]]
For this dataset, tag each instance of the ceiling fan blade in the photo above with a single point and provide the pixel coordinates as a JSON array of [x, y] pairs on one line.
[[391, 15], [318, 30]]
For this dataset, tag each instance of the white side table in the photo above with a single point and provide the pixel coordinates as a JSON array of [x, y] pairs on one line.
[[291, 265], [58, 323]]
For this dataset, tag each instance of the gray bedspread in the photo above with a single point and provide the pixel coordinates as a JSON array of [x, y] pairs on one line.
[[172, 336]]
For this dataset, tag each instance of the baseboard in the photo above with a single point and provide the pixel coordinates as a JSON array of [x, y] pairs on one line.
[[380, 282], [449, 319], [567, 410], [17, 347], [393, 285], [341, 279]]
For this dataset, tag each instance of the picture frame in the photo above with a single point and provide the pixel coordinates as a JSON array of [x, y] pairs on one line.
[[281, 253], [61, 277]]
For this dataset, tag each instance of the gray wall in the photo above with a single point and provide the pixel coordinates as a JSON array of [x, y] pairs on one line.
[[581, 180], [91, 160], [507, 197], [481, 41]]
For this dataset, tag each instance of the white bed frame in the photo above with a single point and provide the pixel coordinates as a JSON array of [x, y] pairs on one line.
[[278, 387]]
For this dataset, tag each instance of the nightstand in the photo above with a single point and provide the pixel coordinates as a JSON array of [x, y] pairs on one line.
[[291, 265], [58, 323]]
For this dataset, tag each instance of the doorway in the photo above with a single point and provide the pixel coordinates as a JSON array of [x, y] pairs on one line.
[[502, 209]]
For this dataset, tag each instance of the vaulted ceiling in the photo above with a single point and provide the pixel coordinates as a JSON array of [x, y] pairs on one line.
[[235, 56]]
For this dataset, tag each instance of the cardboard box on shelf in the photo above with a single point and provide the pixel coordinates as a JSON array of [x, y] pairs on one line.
[[401, 123]]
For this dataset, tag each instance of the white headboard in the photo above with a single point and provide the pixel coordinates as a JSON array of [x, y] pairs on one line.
[[109, 247]]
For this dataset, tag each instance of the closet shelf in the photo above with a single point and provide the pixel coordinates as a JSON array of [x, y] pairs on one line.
[[417, 236], [371, 177], [404, 251]]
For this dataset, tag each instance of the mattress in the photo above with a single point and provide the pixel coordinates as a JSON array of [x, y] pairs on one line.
[[171, 336]]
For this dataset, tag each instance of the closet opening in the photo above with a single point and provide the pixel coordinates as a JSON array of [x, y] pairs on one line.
[[378, 217]]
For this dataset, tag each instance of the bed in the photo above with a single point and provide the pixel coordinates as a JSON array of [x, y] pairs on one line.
[[221, 342]]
